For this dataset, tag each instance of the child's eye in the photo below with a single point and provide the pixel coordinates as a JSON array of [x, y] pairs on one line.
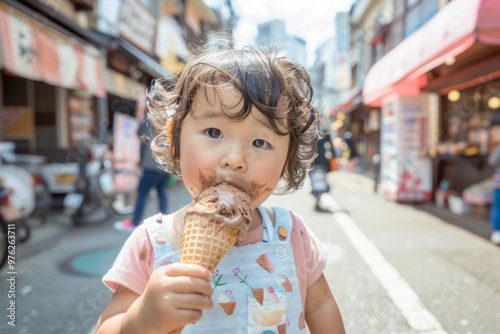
[[213, 133], [261, 143]]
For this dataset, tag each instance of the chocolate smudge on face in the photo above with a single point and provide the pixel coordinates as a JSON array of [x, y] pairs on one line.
[[253, 189]]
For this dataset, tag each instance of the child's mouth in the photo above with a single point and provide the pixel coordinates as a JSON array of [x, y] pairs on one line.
[[252, 188]]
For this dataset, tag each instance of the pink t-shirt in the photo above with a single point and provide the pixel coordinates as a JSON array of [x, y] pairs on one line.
[[134, 264]]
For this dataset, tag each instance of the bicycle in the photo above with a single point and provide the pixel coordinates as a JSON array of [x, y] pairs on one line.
[[101, 185]]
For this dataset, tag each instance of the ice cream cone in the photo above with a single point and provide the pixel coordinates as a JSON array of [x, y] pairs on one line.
[[205, 242], [285, 282], [217, 220], [265, 263], [227, 303]]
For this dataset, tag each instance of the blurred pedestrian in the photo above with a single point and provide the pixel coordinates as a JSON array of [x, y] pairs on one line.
[[152, 176], [494, 160], [321, 166], [349, 153]]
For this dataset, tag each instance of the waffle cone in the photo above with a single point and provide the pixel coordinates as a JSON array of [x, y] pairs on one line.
[[205, 242]]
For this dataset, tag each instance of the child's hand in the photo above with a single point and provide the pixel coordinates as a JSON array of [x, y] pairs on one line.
[[176, 295]]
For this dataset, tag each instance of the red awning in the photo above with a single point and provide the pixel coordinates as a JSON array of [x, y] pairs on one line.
[[33, 50], [454, 29], [339, 108], [345, 107]]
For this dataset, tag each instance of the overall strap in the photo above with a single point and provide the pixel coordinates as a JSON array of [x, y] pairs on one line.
[[159, 238], [284, 224], [281, 230]]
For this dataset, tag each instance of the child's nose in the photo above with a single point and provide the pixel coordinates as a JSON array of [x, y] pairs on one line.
[[234, 159]]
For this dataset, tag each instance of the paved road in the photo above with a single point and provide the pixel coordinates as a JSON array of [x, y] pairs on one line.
[[393, 269]]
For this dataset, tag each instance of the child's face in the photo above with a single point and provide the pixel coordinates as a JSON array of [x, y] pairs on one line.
[[246, 153]]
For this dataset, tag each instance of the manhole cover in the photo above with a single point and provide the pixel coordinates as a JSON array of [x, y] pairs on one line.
[[91, 263]]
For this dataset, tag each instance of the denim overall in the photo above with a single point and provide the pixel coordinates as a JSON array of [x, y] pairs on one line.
[[255, 287]]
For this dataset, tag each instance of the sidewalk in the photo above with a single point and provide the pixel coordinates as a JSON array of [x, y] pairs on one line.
[[480, 226]]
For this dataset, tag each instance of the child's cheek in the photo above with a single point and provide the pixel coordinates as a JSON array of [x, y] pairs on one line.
[[194, 170], [268, 175]]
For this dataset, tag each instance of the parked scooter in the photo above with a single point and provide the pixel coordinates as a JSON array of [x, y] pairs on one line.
[[13, 225], [101, 189], [18, 193], [33, 165]]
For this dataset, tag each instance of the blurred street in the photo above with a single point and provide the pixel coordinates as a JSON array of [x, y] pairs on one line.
[[392, 268], [409, 92]]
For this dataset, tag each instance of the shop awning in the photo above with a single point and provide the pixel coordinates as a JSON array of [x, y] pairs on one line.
[[122, 86], [454, 29], [146, 64], [346, 107], [35, 51]]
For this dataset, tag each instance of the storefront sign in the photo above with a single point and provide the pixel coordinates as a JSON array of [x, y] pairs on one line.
[[126, 148], [170, 45], [64, 7], [406, 173], [17, 123], [343, 68], [137, 25], [122, 86], [34, 51], [126, 144]]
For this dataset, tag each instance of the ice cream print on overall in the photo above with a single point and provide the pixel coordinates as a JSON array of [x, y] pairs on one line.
[[237, 127]]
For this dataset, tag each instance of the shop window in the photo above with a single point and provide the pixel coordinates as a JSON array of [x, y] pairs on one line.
[[410, 3], [394, 34], [377, 47], [354, 75], [399, 8], [15, 90], [16, 114], [45, 115], [471, 121], [418, 13]]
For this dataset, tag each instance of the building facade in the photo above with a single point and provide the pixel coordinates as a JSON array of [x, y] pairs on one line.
[[70, 67], [434, 76]]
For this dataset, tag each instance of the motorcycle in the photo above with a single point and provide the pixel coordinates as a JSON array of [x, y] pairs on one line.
[[319, 184]]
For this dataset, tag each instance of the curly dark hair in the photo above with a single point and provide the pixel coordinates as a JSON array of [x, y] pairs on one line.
[[279, 88]]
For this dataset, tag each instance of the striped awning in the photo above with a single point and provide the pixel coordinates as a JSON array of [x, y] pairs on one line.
[[33, 50]]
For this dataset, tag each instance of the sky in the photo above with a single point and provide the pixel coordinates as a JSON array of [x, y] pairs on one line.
[[312, 20]]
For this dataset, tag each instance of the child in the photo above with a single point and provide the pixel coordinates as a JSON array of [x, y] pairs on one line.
[[243, 117]]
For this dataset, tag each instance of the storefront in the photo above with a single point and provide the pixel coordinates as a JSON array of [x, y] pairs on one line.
[[130, 33], [349, 118], [50, 82], [452, 63], [51, 91]]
